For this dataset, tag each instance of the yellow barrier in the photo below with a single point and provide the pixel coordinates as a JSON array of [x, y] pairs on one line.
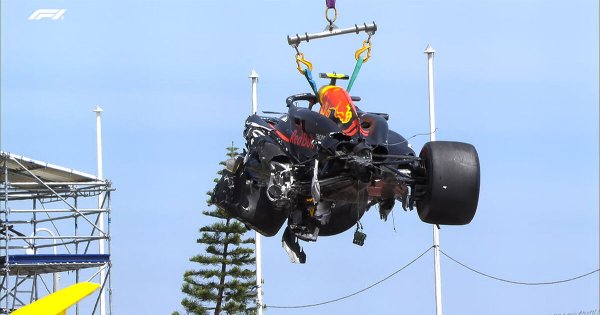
[[58, 302]]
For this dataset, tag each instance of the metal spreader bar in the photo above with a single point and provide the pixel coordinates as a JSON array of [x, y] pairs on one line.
[[295, 40]]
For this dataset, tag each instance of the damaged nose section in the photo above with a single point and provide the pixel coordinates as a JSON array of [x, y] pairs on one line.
[[292, 247]]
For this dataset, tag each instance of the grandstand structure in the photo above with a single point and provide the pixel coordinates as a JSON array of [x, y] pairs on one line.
[[54, 232]]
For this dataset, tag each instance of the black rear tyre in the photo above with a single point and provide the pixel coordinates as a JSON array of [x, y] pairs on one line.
[[452, 175]]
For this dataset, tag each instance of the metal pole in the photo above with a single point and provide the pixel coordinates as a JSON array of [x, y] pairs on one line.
[[436, 233], [430, 51], [5, 217], [295, 40], [98, 112], [107, 203], [33, 251], [35, 294], [76, 252], [254, 77], [257, 241]]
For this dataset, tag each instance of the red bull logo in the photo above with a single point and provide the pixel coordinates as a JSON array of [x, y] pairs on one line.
[[302, 139], [335, 102]]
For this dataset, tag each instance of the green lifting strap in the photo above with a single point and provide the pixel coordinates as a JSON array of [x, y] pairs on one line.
[[359, 64]]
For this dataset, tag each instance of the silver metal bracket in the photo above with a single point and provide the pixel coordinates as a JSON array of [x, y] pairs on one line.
[[295, 40]]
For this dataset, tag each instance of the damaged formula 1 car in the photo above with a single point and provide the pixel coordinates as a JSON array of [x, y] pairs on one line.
[[321, 170]]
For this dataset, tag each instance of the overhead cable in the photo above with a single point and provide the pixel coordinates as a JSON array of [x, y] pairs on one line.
[[413, 136], [518, 282], [417, 258], [357, 292]]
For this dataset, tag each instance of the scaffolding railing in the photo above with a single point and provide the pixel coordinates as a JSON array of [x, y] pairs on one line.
[[50, 231]]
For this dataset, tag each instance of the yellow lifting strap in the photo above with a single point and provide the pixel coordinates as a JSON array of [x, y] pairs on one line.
[[300, 60], [365, 47]]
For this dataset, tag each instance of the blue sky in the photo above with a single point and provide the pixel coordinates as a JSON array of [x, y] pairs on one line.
[[517, 79]]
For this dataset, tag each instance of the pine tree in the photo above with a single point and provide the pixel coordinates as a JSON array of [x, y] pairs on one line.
[[223, 284]]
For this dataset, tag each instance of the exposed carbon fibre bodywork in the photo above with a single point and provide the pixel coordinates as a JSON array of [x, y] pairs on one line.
[[321, 171]]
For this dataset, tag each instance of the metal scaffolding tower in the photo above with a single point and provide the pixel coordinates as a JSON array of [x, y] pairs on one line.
[[52, 228]]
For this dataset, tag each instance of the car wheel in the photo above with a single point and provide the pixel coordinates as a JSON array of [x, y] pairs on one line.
[[451, 192]]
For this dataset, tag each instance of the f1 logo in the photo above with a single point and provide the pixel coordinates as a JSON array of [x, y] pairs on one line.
[[54, 14]]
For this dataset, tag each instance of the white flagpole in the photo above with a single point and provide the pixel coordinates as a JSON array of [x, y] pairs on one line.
[[98, 112], [257, 240], [436, 233]]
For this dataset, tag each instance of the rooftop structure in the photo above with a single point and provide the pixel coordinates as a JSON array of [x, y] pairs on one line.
[[54, 230]]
